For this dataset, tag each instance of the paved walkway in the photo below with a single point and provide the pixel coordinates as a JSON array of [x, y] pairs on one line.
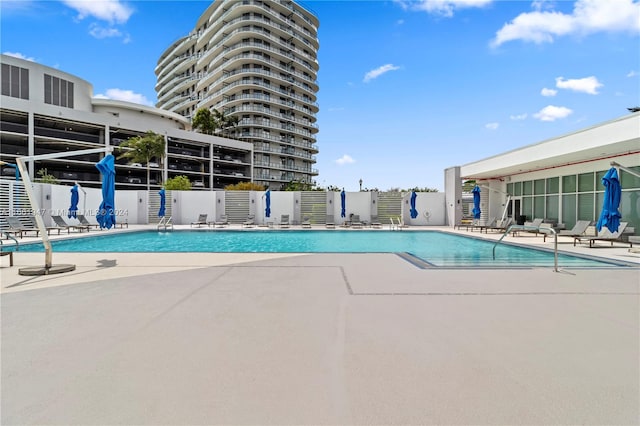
[[317, 339]]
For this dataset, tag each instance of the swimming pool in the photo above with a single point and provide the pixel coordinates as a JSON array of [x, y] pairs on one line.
[[435, 248]]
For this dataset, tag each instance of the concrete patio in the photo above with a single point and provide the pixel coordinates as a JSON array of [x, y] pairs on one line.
[[337, 339]]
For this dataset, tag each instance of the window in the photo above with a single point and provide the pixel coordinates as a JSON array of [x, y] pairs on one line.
[[538, 187], [553, 185], [517, 189], [15, 81], [585, 182], [569, 183], [58, 91], [586, 206], [569, 210]]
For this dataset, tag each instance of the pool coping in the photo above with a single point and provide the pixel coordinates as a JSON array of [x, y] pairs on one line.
[[614, 256]]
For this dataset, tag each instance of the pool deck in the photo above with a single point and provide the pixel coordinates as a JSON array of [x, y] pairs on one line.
[[341, 339]]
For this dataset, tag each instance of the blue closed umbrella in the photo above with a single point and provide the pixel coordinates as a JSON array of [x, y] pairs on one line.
[[163, 201], [610, 216], [343, 204], [106, 215], [267, 210], [476, 202], [75, 197], [413, 211]]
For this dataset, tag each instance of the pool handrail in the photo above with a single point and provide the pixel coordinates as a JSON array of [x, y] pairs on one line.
[[530, 228], [165, 223]]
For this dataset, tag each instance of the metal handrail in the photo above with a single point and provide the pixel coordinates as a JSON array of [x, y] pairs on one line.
[[8, 235], [165, 223], [532, 228]]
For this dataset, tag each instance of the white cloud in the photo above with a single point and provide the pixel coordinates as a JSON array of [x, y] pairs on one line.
[[632, 73], [587, 17], [552, 113], [125, 95], [548, 92], [518, 117], [112, 11], [491, 126], [588, 85], [542, 4], [444, 8], [345, 159], [19, 56], [373, 74], [100, 32]]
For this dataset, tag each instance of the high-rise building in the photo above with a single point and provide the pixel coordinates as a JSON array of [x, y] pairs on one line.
[[256, 63]]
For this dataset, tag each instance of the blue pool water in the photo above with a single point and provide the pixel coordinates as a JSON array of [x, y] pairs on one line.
[[437, 248]]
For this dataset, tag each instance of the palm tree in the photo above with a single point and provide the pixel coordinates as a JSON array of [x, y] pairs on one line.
[[230, 122], [211, 122], [141, 149], [223, 121]]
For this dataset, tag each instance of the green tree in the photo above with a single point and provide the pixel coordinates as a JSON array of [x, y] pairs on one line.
[[142, 149], [244, 186], [204, 121], [298, 185], [425, 189], [45, 177], [225, 122], [212, 122], [468, 185], [178, 183]]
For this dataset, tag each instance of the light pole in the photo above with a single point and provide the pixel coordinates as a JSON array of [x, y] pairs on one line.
[[360, 181]]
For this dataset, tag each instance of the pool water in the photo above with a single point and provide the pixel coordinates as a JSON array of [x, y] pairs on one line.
[[434, 247]]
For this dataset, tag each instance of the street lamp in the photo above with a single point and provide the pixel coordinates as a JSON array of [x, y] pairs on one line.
[[360, 185]]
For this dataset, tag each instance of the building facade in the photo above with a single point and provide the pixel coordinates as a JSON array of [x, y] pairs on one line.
[[255, 62], [45, 111], [559, 180]]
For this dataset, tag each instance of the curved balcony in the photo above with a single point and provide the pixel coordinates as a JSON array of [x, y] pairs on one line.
[[177, 49], [259, 109], [237, 9], [297, 55]]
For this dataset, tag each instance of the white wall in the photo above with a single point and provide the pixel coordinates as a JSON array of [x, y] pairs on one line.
[[453, 196], [430, 207], [282, 202], [186, 206]]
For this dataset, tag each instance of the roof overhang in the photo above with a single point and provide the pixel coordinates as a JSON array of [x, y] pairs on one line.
[[612, 139]]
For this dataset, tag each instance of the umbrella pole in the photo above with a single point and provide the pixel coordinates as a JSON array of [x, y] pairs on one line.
[[48, 268], [36, 210]]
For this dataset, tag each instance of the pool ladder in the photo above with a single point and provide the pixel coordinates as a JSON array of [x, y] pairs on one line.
[[165, 223], [531, 228]]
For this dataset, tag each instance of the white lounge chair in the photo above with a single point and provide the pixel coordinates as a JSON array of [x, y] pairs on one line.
[[306, 222], [284, 221], [356, 223], [220, 223], [605, 235], [578, 230], [329, 223], [62, 225], [85, 222], [202, 220], [16, 227], [529, 227], [250, 222]]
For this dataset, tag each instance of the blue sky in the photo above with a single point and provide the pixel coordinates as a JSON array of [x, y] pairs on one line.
[[407, 88]]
